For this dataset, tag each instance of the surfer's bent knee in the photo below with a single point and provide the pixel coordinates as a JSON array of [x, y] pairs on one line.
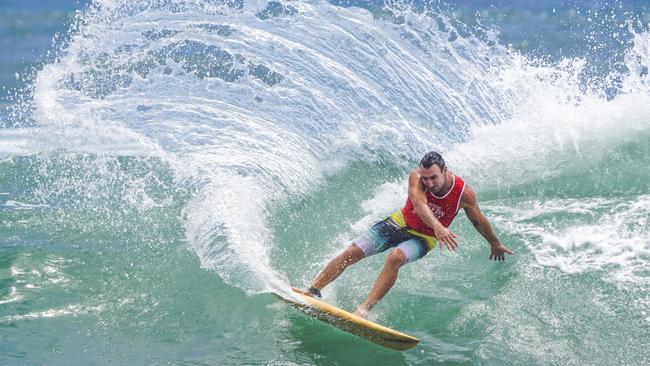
[[397, 257], [352, 254], [356, 251]]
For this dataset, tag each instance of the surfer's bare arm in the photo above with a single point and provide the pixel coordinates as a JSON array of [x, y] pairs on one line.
[[418, 197], [470, 204]]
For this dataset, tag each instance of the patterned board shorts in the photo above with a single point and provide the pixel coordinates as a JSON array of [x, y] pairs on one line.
[[387, 234]]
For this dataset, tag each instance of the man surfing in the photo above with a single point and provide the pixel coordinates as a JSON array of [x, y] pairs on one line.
[[435, 195]]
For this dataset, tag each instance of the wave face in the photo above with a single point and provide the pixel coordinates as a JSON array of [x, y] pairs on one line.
[[264, 135], [251, 104]]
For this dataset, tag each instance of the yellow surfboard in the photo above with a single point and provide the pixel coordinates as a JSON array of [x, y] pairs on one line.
[[354, 324]]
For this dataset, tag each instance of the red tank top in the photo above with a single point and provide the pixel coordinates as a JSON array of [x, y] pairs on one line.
[[443, 208]]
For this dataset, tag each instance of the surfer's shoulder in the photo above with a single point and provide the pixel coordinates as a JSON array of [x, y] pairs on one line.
[[414, 181], [468, 198]]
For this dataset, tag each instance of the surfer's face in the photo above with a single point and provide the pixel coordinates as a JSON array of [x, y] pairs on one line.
[[433, 178]]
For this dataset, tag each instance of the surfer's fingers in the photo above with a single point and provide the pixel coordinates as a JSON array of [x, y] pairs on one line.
[[449, 244], [450, 239]]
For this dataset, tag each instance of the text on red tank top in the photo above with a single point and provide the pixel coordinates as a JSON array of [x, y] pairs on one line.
[[443, 208]]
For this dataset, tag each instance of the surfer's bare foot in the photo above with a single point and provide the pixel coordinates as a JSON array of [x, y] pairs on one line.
[[301, 291], [362, 313]]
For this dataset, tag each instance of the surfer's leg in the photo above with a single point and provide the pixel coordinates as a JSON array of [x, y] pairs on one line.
[[381, 236], [336, 266], [406, 252], [386, 280]]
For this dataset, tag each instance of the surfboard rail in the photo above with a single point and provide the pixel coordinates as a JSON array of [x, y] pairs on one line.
[[354, 324]]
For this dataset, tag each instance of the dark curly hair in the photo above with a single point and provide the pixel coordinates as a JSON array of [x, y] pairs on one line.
[[431, 158]]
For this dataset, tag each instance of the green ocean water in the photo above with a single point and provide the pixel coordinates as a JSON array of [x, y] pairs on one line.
[[84, 286], [180, 161]]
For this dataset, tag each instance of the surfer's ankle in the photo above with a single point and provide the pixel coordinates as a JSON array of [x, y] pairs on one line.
[[314, 292], [364, 313]]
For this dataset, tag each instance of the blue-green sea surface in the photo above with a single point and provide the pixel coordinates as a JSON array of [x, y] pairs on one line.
[[166, 166]]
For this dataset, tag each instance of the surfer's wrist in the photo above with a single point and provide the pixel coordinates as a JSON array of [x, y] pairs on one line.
[[437, 225]]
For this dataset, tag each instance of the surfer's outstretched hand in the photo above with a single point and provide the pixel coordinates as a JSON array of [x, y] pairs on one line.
[[498, 252]]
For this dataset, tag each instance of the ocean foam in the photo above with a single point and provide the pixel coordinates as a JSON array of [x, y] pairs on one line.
[[595, 234]]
